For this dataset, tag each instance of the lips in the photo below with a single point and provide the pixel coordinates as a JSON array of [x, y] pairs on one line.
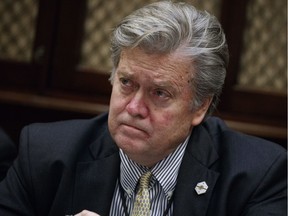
[[132, 129]]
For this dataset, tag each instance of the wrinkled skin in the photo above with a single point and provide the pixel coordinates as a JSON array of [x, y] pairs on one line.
[[150, 109]]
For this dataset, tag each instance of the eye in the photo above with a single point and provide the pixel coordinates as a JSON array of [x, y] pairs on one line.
[[126, 85], [126, 82], [162, 94]]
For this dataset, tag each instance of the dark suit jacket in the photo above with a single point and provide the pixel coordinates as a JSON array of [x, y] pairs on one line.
[[8, 153], [69, 166]]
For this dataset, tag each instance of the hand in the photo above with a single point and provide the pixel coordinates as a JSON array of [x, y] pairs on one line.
[[87, 213]]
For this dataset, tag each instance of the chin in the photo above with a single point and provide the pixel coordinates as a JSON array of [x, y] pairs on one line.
[[129, 145]]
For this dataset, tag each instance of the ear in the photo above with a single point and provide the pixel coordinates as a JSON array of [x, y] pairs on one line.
[[200, 113]]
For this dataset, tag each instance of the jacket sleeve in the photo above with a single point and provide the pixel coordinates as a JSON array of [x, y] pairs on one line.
[[16, 190], [270, 197]]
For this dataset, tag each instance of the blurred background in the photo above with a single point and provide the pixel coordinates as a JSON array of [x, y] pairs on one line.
[[55, 61]]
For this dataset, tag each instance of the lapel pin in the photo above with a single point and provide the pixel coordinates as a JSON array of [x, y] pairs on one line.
[[201, 188]]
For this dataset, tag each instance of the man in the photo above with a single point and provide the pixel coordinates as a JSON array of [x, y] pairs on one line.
[[169, 69]]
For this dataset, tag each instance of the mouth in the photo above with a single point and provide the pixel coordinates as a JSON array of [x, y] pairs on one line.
[[132, 127], [133, 130]]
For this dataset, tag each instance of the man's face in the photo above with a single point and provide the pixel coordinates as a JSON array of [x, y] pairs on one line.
[[150, 108]]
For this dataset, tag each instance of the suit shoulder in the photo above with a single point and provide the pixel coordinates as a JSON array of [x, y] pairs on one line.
[[236, 145], [218, 129], [66, 128], [253, 144], [63, 136]]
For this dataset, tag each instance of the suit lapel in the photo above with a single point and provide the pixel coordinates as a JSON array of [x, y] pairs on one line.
[[199, 156], [95, 180]]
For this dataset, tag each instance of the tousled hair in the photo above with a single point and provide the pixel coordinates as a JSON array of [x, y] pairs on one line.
[[167, 27]]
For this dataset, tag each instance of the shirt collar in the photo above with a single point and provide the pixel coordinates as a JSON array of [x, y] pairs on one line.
[[165, 171]]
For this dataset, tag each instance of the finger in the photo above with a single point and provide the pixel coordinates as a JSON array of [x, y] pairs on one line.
[[87, 213]]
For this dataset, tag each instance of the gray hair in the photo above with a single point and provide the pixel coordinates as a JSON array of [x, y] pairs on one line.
[[166, 27]]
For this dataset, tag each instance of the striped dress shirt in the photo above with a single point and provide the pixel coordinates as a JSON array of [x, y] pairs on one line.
[[161, 187]]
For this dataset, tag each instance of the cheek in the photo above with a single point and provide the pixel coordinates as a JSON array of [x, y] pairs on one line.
[[162, 120], [167, 117], [172, 120]]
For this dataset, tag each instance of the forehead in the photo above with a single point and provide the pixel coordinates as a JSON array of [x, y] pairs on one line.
[[135, 62]]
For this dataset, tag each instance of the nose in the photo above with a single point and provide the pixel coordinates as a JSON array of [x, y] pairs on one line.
[[137, 106]]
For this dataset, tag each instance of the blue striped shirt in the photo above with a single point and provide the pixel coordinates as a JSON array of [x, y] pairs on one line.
[[161, 187]]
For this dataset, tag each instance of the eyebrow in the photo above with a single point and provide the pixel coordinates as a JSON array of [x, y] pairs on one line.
[[124, 72], [158, 84], [163, 84]]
